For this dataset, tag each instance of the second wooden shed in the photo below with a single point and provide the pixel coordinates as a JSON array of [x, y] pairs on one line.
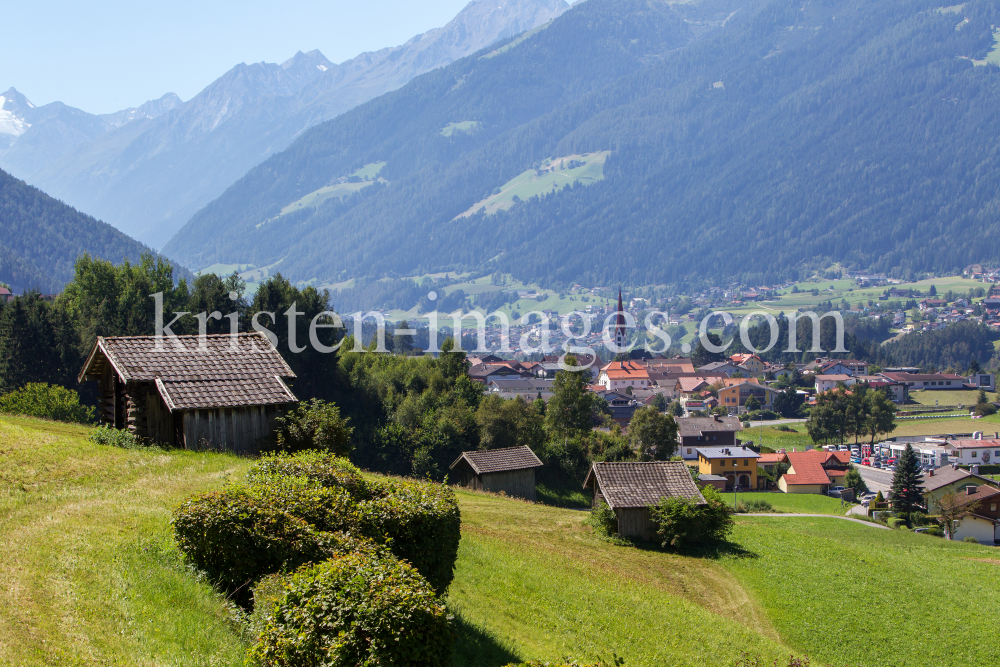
[[510, 470], [630, 488]]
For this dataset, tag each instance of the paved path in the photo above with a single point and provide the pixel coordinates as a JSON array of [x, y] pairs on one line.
[[822, 516], [876, 479]]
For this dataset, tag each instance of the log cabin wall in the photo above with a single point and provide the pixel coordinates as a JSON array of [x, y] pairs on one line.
[[239, 430], [518, 483]]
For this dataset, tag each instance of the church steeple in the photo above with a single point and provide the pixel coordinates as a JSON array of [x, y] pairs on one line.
[[621, 339]]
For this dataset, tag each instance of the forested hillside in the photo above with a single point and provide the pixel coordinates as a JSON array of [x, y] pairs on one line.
[[42, 237], [794, 135]]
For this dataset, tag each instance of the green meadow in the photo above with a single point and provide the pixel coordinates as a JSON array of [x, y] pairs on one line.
[[90, 576]]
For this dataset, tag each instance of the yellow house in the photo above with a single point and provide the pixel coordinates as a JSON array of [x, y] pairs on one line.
[[737, 464], [750, 362]]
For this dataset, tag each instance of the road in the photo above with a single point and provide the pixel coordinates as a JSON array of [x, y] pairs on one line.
[[876, 478]]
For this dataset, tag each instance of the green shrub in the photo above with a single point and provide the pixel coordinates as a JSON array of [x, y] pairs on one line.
[[895, 522], [241, 534], [37, 399], [603, 520], [971, 540], [418, 521], [985, 409], [784, 428], [115, 437], [682, 523], [936, 531], [748, 506], [325, 469], [758, 415], [314, 424], [355, 610]]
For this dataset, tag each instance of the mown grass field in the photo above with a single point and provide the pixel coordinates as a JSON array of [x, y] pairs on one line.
[[90, 576], [846, 593], [942, 398], [794, 503]]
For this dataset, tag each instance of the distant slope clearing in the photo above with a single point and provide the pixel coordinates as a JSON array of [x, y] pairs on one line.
[[551, 176], [346, 185]]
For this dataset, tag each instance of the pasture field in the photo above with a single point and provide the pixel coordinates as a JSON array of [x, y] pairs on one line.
[[793, 503], [957, 397], [850, 594], [90, 576]]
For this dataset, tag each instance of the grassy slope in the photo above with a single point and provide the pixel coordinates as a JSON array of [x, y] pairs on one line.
[[89, 575], [88, 571], [536, 577], [943, 398], [851, 594]]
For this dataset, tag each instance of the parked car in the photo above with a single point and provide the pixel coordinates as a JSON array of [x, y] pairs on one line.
[[836, 491], [866, 462], [892, 460], [855, 459], [891, 468], [843, 448]]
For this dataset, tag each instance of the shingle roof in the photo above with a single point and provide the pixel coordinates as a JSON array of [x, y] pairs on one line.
[[974, 444], [771, 458], [500, 460], [692, 426], [225, 372], [618, 370], [947, 475], [136, 358], [634, 484]]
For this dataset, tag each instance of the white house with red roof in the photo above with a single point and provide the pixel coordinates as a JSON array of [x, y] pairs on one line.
[[814, 471], [974, 452], [620, 375]]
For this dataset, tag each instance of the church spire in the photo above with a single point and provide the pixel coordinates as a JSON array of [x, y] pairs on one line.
[[621, 339]]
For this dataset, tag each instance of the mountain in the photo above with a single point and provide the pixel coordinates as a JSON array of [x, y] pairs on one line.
[[32, 137], [149, 178], [651, 142], [42, 238]]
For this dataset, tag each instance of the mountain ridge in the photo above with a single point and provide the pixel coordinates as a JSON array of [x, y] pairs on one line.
[[771, 145], [149, 179]]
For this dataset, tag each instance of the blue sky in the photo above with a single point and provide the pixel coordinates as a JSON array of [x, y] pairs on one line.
[[109, 55]]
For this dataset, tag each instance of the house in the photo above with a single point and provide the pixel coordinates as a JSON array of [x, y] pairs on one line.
[[622, 374], [714, 431], [769, 462], [691, 387], [736, 396], [814, 471], [973, 452], [737, 464], [927, 380], [930, 304], [984, 523], [726, 367], [225, 394], [484, 373], [527, 388], [842, 367], [985, 381], [936, 483], [630, 488], [622, 405], [750, 364], [510, 470], [828, 382], [899, 393]]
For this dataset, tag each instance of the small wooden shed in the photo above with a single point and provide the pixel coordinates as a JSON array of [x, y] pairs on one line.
[[224, 393], [630, 488], [510, 469]]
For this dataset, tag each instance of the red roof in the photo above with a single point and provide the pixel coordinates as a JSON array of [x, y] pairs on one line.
[[974, 444], [625, 370], [807, 467], [771, 458]]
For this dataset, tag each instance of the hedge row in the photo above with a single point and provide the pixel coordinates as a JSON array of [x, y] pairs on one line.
[[352, 610], [282, 516]]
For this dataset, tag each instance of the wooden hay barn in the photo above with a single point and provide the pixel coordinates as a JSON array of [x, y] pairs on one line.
[[224, 395], [631, 488], [511, 470]]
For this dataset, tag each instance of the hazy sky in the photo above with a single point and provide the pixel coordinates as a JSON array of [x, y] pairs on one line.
[[109, 55]]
